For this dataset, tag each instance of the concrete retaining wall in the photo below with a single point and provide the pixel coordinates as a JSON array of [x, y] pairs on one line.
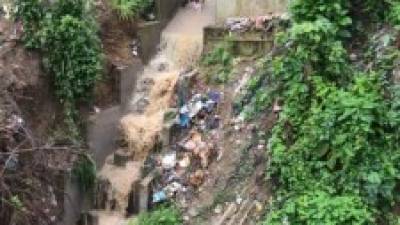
[[246, 44], [149, 33], [231, 8], [165, 10]]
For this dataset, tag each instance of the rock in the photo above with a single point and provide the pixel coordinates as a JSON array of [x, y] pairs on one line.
[[162, 67], [121, 157], [141, 104], [259, 207], [193, 212], [218, 209]]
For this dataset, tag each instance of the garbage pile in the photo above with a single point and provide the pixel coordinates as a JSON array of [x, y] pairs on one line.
[[182, 169], [243, 24]]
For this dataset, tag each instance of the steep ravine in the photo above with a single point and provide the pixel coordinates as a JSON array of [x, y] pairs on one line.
[[181, 46]]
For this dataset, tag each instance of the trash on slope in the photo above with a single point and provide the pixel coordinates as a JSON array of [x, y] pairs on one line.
[[264, 22], [198, 105], [182, 168], [169, 161]]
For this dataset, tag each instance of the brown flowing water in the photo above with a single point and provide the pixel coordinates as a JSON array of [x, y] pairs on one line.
[[181, 46]]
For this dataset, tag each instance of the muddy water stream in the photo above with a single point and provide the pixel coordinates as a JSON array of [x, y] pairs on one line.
[[181, 46]]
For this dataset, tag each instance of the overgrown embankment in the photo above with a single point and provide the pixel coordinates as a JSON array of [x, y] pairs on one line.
[[334, 152]]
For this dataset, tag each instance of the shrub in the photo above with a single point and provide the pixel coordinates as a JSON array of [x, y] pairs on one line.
[[129, 9], [165, 215], [66, 35], [338, 129], [84, 171], [318, 207], [220, 60]]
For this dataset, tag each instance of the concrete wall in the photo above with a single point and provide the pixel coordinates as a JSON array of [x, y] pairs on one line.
[[247, 44], [166, 10], [149, 33], [231, 8]]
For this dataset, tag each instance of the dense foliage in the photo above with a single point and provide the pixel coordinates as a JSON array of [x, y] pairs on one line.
[[334, 150], [315, 208], [129, 9], [219, 62], [165, 215], [85, 172], [65, 33]]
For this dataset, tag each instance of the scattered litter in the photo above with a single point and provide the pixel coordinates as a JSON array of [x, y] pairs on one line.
[[169, 161], [173, 188], [185, 162], [239, 24], [185, 167], [135, 48], [213, 122], [160, 196], [190, 145], [215, 96], [265, 22], [197, 178], [184, 119], [239, 199], [96, 109], [277, 108], [259, 207], [198, 106]]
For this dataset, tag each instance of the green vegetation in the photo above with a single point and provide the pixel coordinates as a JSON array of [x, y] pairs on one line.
[[164, 215], [84, 171], [219, 63], [335, 147], [66, 35], [130, 9], [315, 208]]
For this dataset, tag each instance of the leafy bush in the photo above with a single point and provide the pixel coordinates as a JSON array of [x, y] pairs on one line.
[[338, 129], [128, 9], [220, 62], [84, 171], [318, 207], [344, 142], [394, 14], [66, 35], [162, 216]]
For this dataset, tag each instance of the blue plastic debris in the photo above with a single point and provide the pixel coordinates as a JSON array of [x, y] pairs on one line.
[[184, 118], [215, 96], [159, 197]]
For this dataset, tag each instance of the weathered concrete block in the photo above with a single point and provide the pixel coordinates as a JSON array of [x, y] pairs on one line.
[[141, 195], [122, 156], [102, 194], [167, 133]]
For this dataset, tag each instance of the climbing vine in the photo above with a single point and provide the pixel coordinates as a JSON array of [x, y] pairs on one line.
[[66, 35], [335, 147]]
